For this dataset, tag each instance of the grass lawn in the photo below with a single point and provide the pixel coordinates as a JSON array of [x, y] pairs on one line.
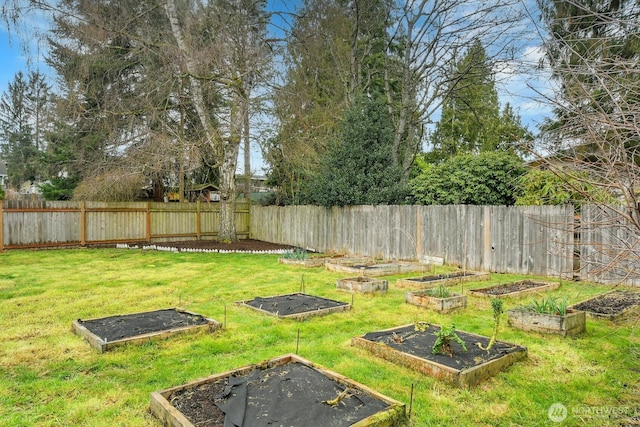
[[51, 377]]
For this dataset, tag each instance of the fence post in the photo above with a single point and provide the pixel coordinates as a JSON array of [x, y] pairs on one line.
[[198, 220], [83, 223], [419, 233], [148, 222], [1, 227], [487, 248]]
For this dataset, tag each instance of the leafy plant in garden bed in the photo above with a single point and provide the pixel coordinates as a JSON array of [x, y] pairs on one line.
[[444, 337], [548, 305]]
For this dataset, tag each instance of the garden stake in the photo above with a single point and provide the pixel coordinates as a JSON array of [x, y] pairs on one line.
[[411, 400]]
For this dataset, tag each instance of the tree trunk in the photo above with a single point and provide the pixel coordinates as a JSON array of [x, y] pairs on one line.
[[247, 155], [227, 232], [231, 148]]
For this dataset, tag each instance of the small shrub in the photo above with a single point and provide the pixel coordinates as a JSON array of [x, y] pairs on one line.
[[297, 254]]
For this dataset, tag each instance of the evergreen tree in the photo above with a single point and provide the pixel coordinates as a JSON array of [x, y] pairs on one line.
[[594, 52], [337, 49], [359, 168], [471, 121], [23, 110]]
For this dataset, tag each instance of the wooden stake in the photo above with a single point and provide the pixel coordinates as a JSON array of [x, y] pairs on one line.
[[411, 401]]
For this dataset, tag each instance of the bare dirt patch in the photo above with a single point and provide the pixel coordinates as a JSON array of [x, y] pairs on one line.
[[611, 303], [240, 245], [515, 289]]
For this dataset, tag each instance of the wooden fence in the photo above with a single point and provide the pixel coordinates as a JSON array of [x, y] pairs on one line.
[[532, 239], [540, 240], [28, 224]]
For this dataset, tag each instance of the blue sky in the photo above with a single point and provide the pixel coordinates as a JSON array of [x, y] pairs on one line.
[[12, 59], [21, 49]]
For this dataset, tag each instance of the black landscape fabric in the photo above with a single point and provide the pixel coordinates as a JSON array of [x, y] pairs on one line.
[[131, 325], [420, 344], [292, 395], [293, 303]]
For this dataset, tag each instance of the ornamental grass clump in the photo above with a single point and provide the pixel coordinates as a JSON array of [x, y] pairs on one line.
[[440, 292], [548, 305], [297, 254]]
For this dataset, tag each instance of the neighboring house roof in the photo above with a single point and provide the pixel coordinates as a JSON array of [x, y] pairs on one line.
[[202, 187]]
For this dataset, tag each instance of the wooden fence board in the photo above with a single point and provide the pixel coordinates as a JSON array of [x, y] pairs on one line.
[[610, 246]]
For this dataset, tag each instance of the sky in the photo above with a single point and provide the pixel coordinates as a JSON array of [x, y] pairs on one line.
[[12, 59], [517, 88]]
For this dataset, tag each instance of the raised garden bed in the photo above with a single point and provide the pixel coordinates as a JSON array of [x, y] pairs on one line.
[[347, 261], [363, 285], [297, 306], [612, 305], [447, 279], [412, 348], [108, 332], [308, 262], [571, 324], [285, 391], [515, 289], [442, 305], [376, 269]]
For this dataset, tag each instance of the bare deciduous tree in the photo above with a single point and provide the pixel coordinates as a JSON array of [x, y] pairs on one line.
[[234, 46], [594, 52], [432, 34]]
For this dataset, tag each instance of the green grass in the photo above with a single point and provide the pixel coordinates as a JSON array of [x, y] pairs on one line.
[[51, 377]]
